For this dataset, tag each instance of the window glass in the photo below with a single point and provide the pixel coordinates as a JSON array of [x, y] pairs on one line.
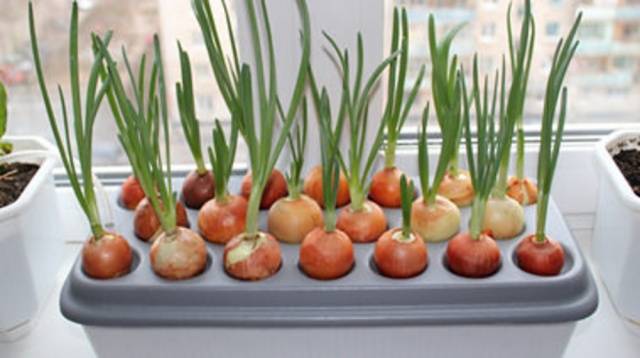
[[604, 78], [134, 24]]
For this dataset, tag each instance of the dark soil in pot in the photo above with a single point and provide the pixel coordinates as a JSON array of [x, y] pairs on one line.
[[14, 177], [628, 161]]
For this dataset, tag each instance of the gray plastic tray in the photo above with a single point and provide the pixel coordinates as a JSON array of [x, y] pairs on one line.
[[363, 297]]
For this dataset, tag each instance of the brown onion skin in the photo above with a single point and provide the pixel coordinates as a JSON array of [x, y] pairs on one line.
[[313, 187], [458, 189], [524, 191], [275, 189], [146, 223], [197, 189], [473, 258], [219, 222], [263, 262], [131, 193], [107, 257], [326, 255], [385, 188], [400, 259], [540, 258], [178, 256], [290, 220], [365, 225]]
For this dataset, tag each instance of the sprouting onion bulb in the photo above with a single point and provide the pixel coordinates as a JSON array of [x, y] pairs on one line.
[[177, 252], [326, 252], [519, 187], [399, 252], [363, 220], [146, 105], [455, 184], [434, 217], [198, 186], [254, 255], [504, 216], [290, 219], [475, 253], [538, 253], [223, 217], [5, 147], [385, 184], [105, 254]]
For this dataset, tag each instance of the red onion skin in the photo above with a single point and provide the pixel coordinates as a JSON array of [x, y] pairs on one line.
[[197, 189], [363, 226], [473, 258], [219, 222], [146, 223], [313, 187], [131, 193], [275, 189], [107, 257], [385, 188], [326, 255], [400, 259], [540, 258], [263, 262]]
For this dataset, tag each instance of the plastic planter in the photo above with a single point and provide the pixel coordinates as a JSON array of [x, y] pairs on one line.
[[30, 241], [436, 313], [615, 247]]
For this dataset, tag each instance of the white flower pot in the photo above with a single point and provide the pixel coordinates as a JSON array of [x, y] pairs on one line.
[[616, 236], [31, 242]]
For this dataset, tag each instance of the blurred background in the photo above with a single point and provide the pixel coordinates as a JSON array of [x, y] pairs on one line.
[[604, 80]]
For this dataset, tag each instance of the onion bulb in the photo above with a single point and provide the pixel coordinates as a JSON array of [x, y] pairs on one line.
[[457, 188], [544, 258], [146, 223], [107, 257], [385, 188], [197, 189], [220, 221], [290, 220], [313, 187], [178, 255], [131, 193], [399, 257], [364, 225], [436, 222], [252, 259], [326, 255], [473, 258], [524, 191], [503, 217], [275, 188]]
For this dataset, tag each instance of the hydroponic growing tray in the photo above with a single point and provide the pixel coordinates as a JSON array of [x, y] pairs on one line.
[[361, 298]]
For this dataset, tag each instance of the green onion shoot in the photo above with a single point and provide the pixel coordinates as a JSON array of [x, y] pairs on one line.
[[105, 254], [539, 254], [385, 184], [198, 186], [434, 217], [362, 220]]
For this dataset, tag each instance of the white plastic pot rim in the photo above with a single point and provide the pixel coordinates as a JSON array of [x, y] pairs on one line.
[[604, 158], [46, 160]]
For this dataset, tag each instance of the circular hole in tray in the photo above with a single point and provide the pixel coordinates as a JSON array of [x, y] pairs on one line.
[[333, 279], [135, 262], [568, 261], [445, 263], [374, 268]]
